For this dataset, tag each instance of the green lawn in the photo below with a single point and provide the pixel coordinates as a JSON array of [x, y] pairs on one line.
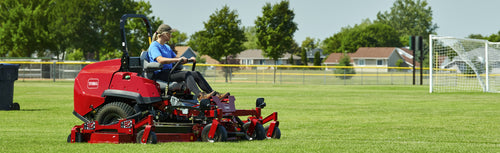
[[324, 118]]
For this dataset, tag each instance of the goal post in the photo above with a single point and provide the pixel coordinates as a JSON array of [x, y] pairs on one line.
[[463, 65]]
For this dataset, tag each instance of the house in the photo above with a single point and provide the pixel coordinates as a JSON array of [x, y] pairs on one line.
[[334, 58], [247, 57], [188, 52], [185, 51], [310, 55], [255, 57], [376, 57]]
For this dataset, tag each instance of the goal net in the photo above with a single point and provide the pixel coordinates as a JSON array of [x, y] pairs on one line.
[[463, 65]]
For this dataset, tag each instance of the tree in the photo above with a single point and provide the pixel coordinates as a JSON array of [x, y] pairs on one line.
[[24, 28], [366, 34], [275, 29], [307, 45], [294, 50], [178, 38], [303, 56], [251, 35], [310, 43], [55, 26], [491, 38], [317, 59], [409, 18], [345, 73], [222, 37], [136, 33]]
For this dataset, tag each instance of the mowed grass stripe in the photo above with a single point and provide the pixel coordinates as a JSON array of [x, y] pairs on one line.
[[313, 118]]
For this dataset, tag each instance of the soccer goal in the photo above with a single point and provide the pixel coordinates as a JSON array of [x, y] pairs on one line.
[[463, 65]]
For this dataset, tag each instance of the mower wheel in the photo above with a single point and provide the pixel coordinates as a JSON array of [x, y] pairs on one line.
[[258, 132], [113, 112], [276, 133], [219, 136], [78, 137], [152, 139]]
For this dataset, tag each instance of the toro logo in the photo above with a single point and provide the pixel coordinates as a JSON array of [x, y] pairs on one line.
[[93, 83]]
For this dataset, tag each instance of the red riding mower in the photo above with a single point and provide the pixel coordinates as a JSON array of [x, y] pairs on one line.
[[119, 103]]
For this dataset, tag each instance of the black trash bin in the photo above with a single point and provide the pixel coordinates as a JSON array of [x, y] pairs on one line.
[[8, 74]]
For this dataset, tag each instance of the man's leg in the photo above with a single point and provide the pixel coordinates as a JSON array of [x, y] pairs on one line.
[[200, 80]]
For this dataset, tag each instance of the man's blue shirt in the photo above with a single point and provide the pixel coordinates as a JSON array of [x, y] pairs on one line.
[[156, 49]]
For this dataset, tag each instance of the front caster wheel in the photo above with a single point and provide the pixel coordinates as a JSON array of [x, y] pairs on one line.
[[219, 136]]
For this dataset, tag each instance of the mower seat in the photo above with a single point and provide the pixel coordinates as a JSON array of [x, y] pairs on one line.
[[148, 71]]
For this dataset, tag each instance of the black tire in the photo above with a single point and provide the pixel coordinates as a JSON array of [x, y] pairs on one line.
[[258, 133], [220, 134], [276, 133], [78, 137], [113, 112], [152, 139], [15, 106]]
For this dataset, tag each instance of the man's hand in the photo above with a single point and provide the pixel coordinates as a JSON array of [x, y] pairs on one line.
[[193, 59], [183, 60]]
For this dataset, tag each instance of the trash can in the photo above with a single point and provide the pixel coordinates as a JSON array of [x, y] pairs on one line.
[[8, 74]]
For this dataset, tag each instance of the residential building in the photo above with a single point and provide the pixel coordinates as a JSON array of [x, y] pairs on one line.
[[376, 57], [310, 55]]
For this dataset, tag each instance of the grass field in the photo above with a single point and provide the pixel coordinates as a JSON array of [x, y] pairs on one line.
[[325, 118]]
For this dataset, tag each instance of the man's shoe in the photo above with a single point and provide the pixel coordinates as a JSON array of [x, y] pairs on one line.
[[204, 95], [223, 96]]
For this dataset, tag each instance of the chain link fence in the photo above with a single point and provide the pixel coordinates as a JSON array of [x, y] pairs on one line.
[[275, 74]]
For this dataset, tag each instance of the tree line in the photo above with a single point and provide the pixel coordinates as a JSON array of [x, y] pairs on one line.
[[88, 30], [75, 30]]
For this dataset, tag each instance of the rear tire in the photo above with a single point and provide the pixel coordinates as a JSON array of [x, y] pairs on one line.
[[258, 132], [152, 139], [219, 136], [276, 133], [113, 112]]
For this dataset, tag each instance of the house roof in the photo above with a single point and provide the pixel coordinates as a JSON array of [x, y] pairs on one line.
[[257, 54], [407, 55], [181, 50], [334, 58], [373, 52]]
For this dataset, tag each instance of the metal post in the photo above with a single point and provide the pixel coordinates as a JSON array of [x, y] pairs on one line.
[[344, 77], [324, 74], [430, 63], [304, 75], [487, 67], [256, 75], [281, 76], [54, 72]]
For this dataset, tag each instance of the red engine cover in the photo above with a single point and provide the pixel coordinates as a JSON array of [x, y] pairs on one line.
[[95, 78]]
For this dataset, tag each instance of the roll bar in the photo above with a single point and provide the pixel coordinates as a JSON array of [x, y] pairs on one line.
[[123, 20]]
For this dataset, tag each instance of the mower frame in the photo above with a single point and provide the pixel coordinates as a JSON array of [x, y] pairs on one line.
[[157, 116]]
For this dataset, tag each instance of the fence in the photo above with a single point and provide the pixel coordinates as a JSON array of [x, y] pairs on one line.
[[277, 74]]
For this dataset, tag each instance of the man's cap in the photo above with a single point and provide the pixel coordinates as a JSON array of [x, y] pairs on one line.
[[165, 28]]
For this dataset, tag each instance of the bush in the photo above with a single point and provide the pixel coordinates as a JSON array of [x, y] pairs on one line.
[[345, 60]]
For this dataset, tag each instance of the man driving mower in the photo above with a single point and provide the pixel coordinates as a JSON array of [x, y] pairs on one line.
[[160, 52]]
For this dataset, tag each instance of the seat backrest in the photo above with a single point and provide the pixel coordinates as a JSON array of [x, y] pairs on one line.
[[147, 73], [144, 57]]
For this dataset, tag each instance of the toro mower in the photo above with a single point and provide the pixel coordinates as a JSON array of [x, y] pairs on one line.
[[119, 102]]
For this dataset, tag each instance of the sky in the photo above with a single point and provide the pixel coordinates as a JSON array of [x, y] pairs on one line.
[[320, 19]]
